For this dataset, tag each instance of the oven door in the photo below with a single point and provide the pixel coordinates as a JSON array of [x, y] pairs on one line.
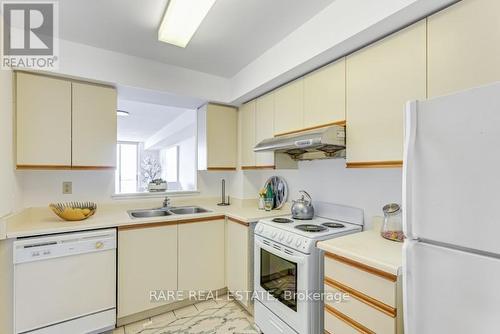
[[281, 273]]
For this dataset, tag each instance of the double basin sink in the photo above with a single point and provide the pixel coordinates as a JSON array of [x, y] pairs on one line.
[[167, 211]]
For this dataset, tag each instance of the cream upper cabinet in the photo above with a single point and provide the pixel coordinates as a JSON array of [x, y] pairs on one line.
[[289, 107], [264, 128], [201, 256], [246, 131], [237, 259], [62, 123], [324, 95], [94, 125], [463, 46], [43, 113], [147, 260], [217, 137], [381, 78]]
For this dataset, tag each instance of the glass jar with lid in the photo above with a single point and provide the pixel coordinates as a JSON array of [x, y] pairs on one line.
[[392, 227]]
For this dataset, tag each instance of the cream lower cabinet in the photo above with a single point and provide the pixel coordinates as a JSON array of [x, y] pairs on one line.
[[238, 273], [147, 261], [217, 137], [201, 256], [463, 46], [381, 78], [373, 302]]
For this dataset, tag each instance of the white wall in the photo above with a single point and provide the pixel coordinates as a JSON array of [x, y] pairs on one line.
[[103, 65], [330, 181], [325, 180], [40, 188], [187, 163]]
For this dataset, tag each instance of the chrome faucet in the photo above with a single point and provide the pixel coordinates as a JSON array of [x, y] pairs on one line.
[[166, 202]]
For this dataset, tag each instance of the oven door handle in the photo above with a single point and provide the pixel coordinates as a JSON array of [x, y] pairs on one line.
[[285, 256]]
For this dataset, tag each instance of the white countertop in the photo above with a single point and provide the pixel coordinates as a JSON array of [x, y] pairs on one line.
[[369, 248], [41, 220]]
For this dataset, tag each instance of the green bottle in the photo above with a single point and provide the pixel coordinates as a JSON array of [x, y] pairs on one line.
[[269, 192]]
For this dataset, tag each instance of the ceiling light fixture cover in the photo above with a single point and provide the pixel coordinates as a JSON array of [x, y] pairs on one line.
[[181, 20], [122, 113]]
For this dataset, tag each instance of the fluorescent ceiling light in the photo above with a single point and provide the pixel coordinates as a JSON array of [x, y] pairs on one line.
[[181, 20], [122, 113]]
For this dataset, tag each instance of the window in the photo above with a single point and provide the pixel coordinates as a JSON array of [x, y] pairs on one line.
[[157, 149], [126, 167], [171, 164]]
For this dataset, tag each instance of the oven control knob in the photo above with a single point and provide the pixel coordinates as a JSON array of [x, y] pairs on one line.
[[298, 243], [289, 239], [281, 236], [274, 234], [260, 228]]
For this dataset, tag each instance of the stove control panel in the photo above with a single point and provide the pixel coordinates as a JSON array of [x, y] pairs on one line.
[[286, 238]]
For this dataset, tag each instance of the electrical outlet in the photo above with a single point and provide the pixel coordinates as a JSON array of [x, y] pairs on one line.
[[67, 187]]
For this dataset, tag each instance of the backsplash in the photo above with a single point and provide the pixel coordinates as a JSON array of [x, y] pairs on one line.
[[325, 180], [330, 181]]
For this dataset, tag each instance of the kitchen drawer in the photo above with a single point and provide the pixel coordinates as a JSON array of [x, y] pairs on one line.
[[369, 314], [360, 277], [337, 323]]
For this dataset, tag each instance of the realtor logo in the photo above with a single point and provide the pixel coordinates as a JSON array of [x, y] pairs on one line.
[[30, 35]]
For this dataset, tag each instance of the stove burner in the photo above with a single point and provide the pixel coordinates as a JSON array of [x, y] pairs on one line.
[[282, 220], [333, 225], [310, 228]]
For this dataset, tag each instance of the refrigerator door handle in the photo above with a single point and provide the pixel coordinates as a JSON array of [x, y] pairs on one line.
[[410, 127]]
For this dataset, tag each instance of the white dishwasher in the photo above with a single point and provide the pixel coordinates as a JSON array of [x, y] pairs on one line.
[[65, 283]]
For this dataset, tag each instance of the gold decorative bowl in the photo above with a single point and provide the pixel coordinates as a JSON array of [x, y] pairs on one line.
[[74, 211]]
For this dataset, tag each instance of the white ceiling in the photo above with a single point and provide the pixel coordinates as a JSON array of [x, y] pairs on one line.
[[234, 33], [145, 119]]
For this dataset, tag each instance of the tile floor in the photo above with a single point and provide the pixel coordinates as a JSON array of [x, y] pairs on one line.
[[219, 316]]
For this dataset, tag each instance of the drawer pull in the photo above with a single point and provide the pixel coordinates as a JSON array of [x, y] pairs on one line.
[[372, 302], [342, 317], [361, 266]]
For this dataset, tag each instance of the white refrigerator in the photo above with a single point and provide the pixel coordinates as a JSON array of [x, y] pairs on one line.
[[451, 208]]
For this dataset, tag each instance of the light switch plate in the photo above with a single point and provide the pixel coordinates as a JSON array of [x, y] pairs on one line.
[[67, 187]]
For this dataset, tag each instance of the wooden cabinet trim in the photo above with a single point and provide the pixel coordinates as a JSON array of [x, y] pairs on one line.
[[257, 167], [62, 167], [342, 317], [375, 164], [221, 168], [372, 302], [241, 222], [93, 167], [166, 223], [342, 122], [362, 266], [44, 167]]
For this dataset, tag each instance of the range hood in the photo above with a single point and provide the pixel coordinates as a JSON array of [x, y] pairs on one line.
[[325, 143]]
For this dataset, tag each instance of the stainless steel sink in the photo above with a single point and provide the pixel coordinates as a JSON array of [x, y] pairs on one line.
[[186, 210], [149, 213], [162, 212]]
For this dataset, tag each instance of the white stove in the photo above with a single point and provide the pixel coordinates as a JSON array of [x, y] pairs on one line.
[[289, 267], [302, 235]]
